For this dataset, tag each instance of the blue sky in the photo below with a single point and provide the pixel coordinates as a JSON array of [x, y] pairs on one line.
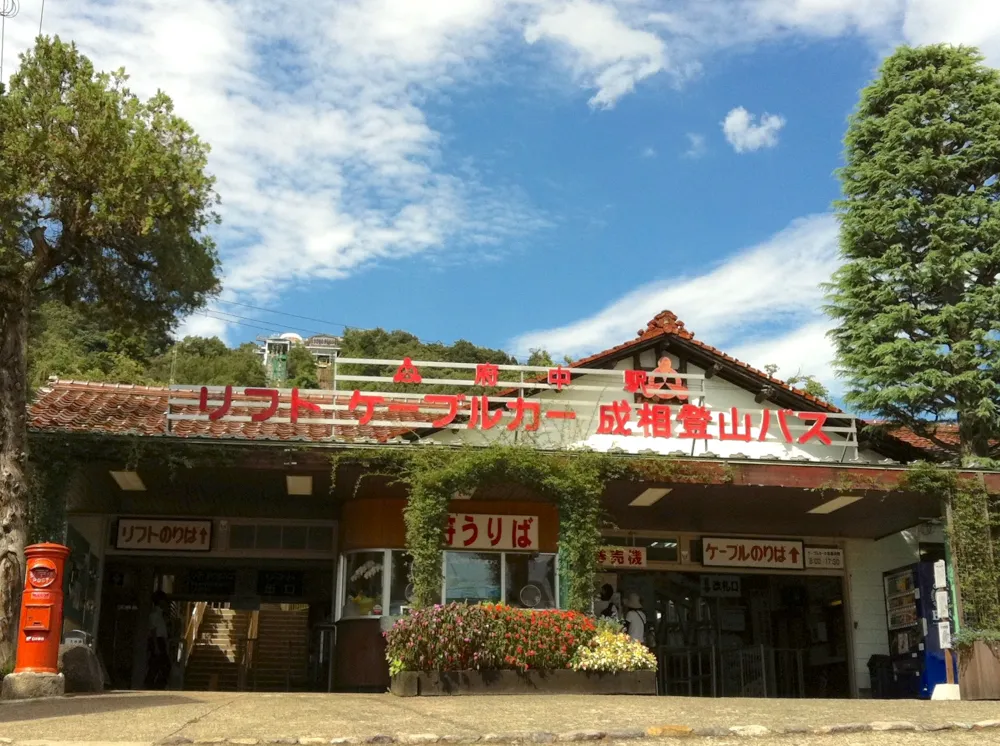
[[521, 173]]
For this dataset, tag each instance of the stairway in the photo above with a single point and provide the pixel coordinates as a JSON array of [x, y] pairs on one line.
[[214, 664], [280, 655]]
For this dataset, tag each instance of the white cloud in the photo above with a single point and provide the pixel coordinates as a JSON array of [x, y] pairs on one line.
[[605, 52], [804, 349], [696, 145], [766, 293], [745, 135], [649, 152], [317, 112]]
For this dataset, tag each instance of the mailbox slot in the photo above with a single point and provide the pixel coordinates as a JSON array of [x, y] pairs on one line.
[[38, 618]]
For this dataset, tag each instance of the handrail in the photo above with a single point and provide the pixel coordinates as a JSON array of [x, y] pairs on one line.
[[191, 633], [247, 654]]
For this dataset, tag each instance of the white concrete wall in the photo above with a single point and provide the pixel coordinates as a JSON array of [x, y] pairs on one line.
[[719, 397], [866, 561]]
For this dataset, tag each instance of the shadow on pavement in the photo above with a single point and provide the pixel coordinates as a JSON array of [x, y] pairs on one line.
[[85, 704]]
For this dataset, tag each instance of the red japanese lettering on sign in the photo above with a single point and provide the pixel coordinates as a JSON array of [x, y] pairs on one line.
[[407, 373], [480, 415], [300, 403], [654, 419], [559, 377], [470, 531], [694, 421], [222, 411], [487, 374], [816, 431], [452, 400], [614, 419], [269, 411], [520, 407], [637, 382], [368, 402], [734, 433]]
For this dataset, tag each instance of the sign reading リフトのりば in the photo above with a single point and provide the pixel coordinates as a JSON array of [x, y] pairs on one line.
[[164, 535], [771, 554]]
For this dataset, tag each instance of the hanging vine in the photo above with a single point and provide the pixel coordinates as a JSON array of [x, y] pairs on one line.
[[575, 481], [974, 539]]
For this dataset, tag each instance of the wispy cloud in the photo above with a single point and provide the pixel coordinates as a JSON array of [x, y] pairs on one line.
[[769, 294], [649, 152], [696, 145], [326, 158], [746, 135]]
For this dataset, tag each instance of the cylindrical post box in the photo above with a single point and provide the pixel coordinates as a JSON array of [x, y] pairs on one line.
[[41, 609]]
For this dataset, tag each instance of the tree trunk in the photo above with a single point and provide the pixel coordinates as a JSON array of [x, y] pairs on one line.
[[13, 460]]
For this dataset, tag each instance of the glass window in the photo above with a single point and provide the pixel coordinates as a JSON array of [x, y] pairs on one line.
[[531, 580], [363, 584], [320, 538], [268, 536], [241, 536], [400, 588], [658, 550], [472, 577], [293, 537]]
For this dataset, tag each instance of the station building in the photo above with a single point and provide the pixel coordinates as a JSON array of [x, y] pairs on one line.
[[764, 576]]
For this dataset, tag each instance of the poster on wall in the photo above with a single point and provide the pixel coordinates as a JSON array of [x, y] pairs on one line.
[[767, 554], [77, 583], [824, 558]]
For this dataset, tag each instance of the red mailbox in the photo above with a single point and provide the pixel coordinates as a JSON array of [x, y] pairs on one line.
[[41, 609]]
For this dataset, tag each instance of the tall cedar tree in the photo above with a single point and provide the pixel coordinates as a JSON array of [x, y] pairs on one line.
[[917, 298], [104, 201]]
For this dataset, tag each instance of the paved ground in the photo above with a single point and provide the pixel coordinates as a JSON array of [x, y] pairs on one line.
[[154, 717]]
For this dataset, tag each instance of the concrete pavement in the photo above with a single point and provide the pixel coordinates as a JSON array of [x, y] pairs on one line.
[[217, 717]]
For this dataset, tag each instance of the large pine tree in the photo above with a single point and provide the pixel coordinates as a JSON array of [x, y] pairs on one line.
[[917, 298]]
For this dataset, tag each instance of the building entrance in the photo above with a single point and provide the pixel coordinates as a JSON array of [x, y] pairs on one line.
[[745, 635], [231, 626]]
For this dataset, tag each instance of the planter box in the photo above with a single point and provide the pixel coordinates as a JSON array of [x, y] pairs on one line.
[[979, 671], [442, 683]]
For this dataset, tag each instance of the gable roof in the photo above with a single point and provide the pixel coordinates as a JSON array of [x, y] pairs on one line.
[[665, 326]]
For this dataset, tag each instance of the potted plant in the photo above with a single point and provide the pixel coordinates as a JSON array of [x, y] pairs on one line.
[[979, 663]]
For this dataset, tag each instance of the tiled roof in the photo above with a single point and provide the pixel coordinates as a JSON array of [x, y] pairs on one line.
[[119, 409], [666, 324]]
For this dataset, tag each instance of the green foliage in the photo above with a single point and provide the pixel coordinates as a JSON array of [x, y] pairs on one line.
[[302, 371], [396, 345], [68, 342], [974, 539], [917, 298], [540, 357], [968, 637], [491, 637], [809, 384], [104, 197], [204, 360], [573, 480]]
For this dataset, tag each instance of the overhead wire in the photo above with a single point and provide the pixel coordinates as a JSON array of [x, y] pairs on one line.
[[290, 315], [8, 9]]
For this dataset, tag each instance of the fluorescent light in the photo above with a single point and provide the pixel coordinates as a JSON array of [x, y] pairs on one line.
[[835, 504], [299, 485], [650, 496], [128, 481]]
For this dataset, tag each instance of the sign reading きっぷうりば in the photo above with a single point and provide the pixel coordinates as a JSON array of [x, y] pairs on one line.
[[770, 554], [498, 532], [164, 535]]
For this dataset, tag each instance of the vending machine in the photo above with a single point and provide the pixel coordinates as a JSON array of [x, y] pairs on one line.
[[919, 616]]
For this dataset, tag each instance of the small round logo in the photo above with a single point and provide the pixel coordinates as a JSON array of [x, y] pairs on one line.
[[42, 574]]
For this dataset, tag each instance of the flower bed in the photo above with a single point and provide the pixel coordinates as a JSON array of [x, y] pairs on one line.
[[458, 649]]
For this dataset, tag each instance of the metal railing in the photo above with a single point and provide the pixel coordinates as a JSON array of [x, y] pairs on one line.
[[756, 671]]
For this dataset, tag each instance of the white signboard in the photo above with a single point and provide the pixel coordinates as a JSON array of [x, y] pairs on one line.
[[624, 558], [944, 635], [941, 609], [940, 574], [769, 554], [499, 532], [721, 586], [824, 558], [164, 535]]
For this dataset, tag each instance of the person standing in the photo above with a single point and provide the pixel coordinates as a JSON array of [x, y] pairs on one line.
[[635, 617], [157, 653], [610, 610]]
